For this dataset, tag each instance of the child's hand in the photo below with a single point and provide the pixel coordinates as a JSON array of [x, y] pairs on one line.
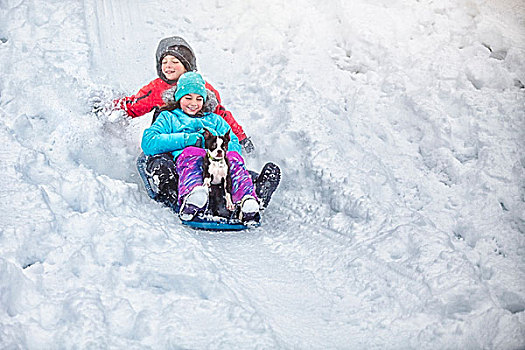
[[100, 106], [193, 139], [247, 145], [103, 102]]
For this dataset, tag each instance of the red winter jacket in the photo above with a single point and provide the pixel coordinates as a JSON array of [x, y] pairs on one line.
[[150, 96]]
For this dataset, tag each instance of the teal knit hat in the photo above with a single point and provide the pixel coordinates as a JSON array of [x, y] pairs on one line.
[[190, 83]]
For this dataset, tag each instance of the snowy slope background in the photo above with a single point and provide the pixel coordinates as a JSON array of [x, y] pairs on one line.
[[399, 224]]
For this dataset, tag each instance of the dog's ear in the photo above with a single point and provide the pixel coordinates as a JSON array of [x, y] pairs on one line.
[[207, 134], [227, 136]]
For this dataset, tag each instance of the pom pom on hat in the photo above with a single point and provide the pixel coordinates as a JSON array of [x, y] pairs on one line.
[[190, 83]]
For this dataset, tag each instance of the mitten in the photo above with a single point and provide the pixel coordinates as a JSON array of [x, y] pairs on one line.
[[193, 139], [247, 145]]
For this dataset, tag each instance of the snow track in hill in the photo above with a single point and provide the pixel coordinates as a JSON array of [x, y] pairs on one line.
[[398, 222], [108, 24]]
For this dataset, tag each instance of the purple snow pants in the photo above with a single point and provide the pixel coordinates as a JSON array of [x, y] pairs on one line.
[[189, 168]]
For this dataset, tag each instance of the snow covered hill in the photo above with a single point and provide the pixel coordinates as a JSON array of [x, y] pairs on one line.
[[400, 221]]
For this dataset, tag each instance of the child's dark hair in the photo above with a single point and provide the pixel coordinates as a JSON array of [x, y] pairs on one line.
[[170, 106], [208, 106]]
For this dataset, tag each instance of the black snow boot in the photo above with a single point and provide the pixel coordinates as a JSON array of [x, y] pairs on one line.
[[163, 177], [267, 182]]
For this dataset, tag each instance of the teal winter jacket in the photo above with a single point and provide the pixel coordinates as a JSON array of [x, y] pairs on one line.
[[171, 130]]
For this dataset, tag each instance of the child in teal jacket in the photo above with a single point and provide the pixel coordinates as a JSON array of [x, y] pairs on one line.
[[175, 143]]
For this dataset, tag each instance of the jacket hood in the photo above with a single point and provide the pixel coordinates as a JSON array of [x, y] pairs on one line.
[[179, 48]]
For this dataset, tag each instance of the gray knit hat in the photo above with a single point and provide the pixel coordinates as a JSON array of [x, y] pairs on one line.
[[179, 48]]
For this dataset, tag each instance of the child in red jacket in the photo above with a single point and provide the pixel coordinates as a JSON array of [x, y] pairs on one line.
[[174, 58]]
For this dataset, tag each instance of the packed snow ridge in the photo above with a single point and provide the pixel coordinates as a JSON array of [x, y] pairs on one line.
[[399, 223]]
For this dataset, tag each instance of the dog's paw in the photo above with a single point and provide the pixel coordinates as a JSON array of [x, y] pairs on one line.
[[207, 182]]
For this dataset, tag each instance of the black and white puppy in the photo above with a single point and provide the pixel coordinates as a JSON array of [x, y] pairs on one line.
[[216, 168]]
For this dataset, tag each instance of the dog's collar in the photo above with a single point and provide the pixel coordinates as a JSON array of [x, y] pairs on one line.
[[213, 158]]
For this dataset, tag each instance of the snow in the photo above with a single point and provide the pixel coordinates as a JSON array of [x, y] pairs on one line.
[[400, 220]]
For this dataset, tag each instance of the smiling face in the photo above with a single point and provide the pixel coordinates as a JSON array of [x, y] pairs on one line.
[[172, 67], [191, 103]]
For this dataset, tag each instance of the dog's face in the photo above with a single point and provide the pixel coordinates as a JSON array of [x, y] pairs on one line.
[[216, 145]]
